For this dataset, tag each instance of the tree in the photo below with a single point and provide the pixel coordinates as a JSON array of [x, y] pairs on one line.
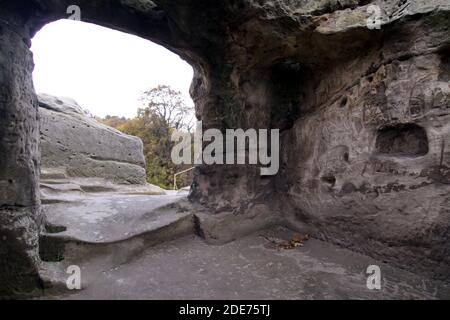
[[165, 111], [170, 106], [155, 134]]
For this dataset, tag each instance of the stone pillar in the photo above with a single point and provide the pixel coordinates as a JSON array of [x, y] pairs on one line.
[[19, 162]]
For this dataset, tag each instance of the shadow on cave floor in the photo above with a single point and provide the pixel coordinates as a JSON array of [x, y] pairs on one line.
[[248, 268]]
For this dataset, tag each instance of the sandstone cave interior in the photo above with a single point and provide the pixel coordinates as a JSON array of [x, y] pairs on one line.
[[364, 178]]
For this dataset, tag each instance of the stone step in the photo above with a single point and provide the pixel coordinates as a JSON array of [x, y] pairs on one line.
[[119, 226], [107, 229]]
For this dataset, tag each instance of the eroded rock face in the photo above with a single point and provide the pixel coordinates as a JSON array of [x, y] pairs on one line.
[[76, 143], [365, 125], [363, 112], [375, 177]]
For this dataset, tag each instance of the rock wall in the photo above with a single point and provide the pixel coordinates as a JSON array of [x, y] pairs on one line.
[[75, 142], [363, 113], [19, 163], [364, 116], [376, 176]]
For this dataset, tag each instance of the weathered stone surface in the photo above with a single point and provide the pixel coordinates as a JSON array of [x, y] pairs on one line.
[[76, 142], [375, 178], [248, 268], [19, 165], [69, 189], [364, 116], [363, 113]]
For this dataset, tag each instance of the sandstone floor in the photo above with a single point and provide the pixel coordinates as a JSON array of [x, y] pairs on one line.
[[249, 268]]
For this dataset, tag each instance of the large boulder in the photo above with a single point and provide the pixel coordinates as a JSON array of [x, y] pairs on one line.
[[74, 142]]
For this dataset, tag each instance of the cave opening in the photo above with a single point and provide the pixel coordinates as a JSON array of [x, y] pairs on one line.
[[113, 78], [99, 138]]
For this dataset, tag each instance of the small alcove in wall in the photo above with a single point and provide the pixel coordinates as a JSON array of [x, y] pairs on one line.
[[409, 140]]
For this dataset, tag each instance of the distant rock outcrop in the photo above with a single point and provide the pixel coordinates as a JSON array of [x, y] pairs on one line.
[[75, 143]]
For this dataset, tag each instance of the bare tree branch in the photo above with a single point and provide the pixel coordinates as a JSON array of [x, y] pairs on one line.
[[170, 106]]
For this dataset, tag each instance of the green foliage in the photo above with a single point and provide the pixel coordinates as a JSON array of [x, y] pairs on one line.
[[165, 111]]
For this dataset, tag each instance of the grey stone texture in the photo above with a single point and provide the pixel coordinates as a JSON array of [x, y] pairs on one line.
[[248, 268], [73, 140], [19, 161], [363, 114]]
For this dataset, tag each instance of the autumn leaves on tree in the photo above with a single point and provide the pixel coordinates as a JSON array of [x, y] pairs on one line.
[[164, 111]]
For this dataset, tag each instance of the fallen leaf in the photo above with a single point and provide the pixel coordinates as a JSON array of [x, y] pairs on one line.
[[297, 238]]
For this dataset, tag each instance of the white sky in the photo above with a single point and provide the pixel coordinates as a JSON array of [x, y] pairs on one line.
[[104, 70]]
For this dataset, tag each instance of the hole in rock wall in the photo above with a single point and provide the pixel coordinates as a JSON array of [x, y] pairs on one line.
[[104, 74], [402, 140]]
